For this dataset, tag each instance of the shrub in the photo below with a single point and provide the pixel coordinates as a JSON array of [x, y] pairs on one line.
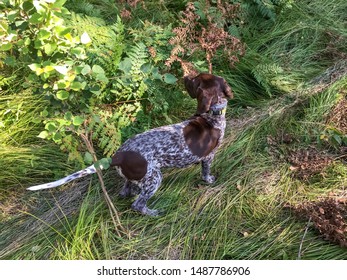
[[94, 82]]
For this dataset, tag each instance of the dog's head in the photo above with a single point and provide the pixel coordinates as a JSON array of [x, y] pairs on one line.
[[209, 90]]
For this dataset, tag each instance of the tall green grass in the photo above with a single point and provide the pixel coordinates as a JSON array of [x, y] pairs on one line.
[[244, 215]]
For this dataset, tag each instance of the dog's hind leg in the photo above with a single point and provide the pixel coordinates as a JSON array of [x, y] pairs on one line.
[[149, 186]]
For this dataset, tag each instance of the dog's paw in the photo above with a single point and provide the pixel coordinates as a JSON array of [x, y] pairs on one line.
[[150, 212], [209, 179]]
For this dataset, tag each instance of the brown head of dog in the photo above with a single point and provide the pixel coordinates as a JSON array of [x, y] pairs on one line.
[[209, 90]]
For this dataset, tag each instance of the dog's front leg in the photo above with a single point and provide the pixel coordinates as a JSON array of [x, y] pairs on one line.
[[206, 170]]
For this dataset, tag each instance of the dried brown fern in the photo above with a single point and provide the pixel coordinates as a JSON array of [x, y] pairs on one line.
[[208, 36]]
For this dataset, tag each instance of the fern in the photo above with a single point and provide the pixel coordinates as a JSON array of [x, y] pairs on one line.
[[6, 81], [138, 55], [106, 9], [107, 40], [106, 126], [268, 9], [265, 74], [83, 7], [131, 85], [108, 123]]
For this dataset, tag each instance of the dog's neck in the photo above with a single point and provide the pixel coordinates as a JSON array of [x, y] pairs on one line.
[[218, 109], [216, 115]]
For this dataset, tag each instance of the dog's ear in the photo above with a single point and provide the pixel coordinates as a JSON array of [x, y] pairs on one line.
[[227, 90], [192, 86]]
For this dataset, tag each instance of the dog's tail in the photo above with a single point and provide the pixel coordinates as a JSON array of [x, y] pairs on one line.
[[79, 174]]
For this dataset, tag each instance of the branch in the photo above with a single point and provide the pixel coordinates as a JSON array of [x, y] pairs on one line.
[[303, 237], [112, 208]]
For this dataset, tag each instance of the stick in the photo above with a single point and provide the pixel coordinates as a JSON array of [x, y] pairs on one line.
[[303, 237], [112, 208]]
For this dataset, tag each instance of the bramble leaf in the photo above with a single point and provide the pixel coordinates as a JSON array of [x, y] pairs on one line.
[[77, 120]]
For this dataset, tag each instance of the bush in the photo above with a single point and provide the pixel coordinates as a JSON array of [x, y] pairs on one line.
[[93, 81]]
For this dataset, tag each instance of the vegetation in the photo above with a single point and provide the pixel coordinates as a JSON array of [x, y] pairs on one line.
[[77, 78]]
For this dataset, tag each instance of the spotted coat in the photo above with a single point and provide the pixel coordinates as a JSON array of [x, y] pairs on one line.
[[165, 147]]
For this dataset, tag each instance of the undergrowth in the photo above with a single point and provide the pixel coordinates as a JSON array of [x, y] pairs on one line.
[[284, 149]]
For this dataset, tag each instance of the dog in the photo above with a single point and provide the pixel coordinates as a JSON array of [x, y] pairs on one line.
[[140, 159]]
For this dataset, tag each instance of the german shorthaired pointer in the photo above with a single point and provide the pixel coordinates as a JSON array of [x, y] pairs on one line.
[[195, 140]]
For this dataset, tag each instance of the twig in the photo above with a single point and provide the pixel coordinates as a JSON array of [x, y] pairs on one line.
[[339, 157], [303, 237], [112, 208]]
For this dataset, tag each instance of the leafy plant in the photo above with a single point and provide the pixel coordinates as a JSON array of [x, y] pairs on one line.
[[34, 33], [202, 29], [83, 71], [334, 137], [268, 9]]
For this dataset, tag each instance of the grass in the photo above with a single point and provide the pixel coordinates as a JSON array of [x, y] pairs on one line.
[[245, 214]]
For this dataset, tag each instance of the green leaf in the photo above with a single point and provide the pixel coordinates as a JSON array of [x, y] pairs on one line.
[[27, 6], [337, 139], [79, 52], [76, 86], [43, 34], [61, 84], [156, 75], [68, 116], [170, 79], [85, 39], [77, 120], [95, 89], [88, 158], [62, 69], [62, 30], [146, 68], [62, 94], [58, 3], [51, 127], [27, 41], [12, 15], [103, 163], [5, 47], [48, 68], [44, 113], [97, 69], [57, 137], [10, 61], [101, 78], [86, 70], [50, 48], [125, 65], [3, 27], [19, 23], [43, 134], [36, 120], [36, 18], [34, 66]]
